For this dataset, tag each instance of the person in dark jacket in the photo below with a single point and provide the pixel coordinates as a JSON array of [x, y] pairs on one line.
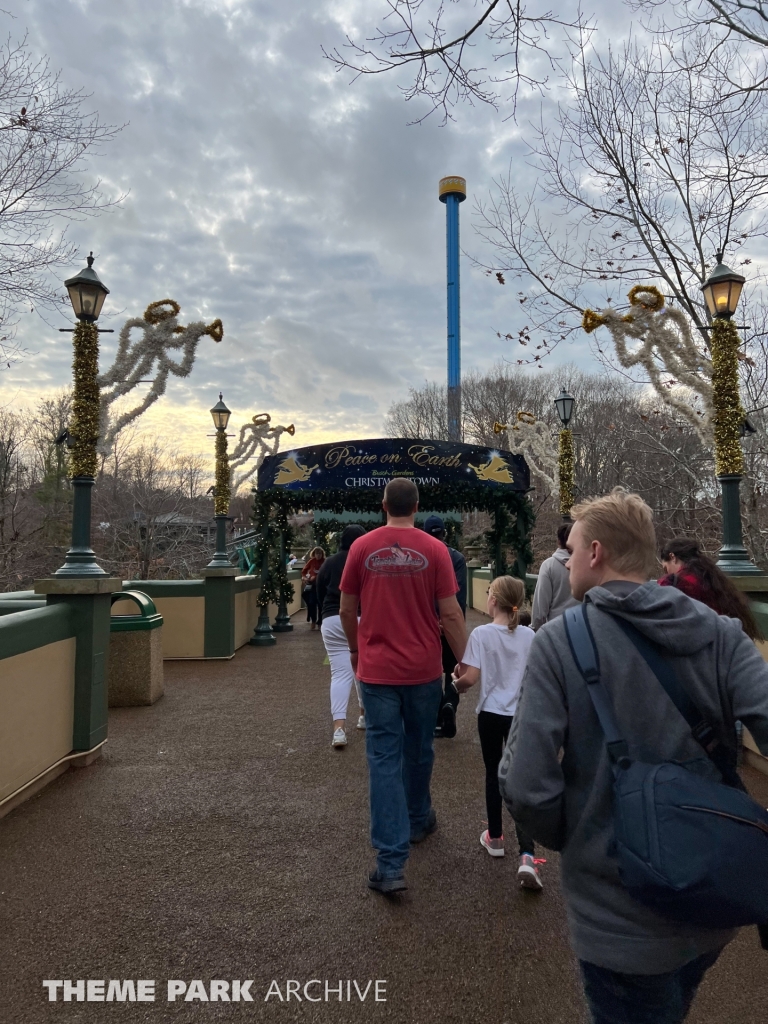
[[446, 717], [690, 570], [328, 600], [556, 775]]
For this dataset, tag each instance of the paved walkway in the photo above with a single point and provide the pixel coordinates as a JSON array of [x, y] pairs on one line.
[[220, 837]]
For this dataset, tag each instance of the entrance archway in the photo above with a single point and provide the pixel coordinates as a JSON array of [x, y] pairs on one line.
[[350, 476]]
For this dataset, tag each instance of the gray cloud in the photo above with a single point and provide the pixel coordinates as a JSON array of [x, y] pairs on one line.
[[265, 190]]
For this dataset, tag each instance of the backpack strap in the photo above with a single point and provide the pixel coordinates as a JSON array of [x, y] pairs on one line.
[[584, 651], [661, 667]]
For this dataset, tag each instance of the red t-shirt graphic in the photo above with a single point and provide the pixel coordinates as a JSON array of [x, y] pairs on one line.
[[398, 574]]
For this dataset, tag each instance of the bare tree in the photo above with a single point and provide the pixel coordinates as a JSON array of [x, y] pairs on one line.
[[423, 414], [50, 468], [446, 47], [14, 474], [653, 167], [623, 436], [745, 18], [154, 521], [46, 138]]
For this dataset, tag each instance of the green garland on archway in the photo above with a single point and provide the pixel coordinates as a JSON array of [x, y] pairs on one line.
[[270, 518], [511, 532], [512, 513]]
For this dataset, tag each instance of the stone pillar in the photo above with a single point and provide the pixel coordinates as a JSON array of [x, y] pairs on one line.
[[219, 611], [90, 601]]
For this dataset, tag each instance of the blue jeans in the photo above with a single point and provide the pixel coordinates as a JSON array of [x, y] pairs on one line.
[[400, 723], [615, 998]]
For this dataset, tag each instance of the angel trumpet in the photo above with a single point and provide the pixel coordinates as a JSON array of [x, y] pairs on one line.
[[499, 428]]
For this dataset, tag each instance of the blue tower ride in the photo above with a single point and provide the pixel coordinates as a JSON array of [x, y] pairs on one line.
[[452, 191]]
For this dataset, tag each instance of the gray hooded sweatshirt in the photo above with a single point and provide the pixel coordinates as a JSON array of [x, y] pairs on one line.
[[566, 804], [553, 589]]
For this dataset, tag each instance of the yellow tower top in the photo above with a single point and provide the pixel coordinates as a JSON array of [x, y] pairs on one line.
[[452, 185]]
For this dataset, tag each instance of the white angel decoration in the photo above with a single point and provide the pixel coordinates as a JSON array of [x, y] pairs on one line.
[[256, 440], [532, 439], [666, 346], [149, 357]]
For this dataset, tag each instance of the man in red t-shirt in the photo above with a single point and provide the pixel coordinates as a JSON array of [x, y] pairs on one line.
[[397, 574]]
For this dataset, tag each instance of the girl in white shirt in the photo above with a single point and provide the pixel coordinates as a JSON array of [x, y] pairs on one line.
[[496, 657]]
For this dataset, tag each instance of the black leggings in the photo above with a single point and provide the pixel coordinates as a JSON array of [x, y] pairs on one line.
[[310, 599], [493, 730]]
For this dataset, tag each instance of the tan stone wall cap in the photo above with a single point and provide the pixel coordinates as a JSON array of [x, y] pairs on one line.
[[750, 584], [70, 585]]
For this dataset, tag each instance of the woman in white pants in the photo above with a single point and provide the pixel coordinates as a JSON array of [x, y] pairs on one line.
[[342, 676]]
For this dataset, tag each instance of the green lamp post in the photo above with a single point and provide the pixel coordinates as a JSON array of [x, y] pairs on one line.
[[221, 492], [565, 403], [722, 291], [87, 294]]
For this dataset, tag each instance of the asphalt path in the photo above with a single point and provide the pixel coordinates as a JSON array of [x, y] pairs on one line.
[[221, 838]]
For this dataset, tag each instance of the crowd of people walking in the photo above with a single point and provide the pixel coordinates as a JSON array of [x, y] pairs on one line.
[[621, 673]]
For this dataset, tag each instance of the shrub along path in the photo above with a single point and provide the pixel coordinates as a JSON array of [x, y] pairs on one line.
[[220, 837]]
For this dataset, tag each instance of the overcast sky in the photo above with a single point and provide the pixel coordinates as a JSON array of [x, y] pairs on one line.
[[266, 190]]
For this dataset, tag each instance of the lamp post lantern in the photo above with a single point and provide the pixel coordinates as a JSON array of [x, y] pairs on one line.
[[87, 294], [565, 404], [722, 291], [221, 492]]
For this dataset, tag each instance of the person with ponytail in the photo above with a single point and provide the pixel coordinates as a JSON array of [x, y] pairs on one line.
[[496, 656], [690, 570]]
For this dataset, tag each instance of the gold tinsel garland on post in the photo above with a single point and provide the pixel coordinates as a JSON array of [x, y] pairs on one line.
[[85, 401], [728, 410], [222, 492], [565, 470]]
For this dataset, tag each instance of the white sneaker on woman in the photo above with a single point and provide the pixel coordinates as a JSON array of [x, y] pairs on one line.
[[339, 738], [361, 722]]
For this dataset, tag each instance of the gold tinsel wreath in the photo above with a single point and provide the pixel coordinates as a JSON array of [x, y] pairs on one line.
[[636, 294], [156, 312]]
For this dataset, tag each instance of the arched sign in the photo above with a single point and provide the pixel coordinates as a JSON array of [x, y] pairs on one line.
[[371, 464]]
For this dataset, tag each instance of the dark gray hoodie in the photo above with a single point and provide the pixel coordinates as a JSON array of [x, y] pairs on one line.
[[566, 804]]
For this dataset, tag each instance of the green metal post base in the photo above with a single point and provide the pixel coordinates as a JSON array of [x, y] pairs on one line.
[[262, 635], [282, 622], [81, 561], [220, 558], [733, 558]]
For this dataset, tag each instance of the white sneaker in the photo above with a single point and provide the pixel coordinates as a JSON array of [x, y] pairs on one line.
[[339, 738], [528, 873], [361, 722]]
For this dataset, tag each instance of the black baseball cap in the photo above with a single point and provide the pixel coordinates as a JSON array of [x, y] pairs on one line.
[[433, 525]]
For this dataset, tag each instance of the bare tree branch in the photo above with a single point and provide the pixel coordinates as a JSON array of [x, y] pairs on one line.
[[47, 136], [437, 41], [652, 168]]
